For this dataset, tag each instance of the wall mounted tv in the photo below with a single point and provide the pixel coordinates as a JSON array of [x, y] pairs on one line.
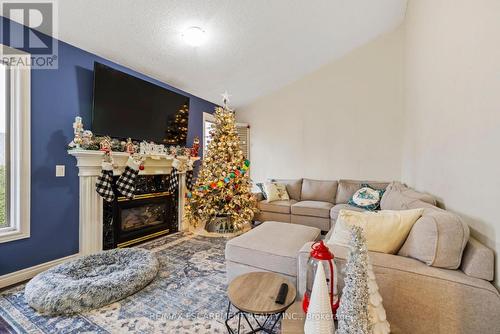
[[126, 106]]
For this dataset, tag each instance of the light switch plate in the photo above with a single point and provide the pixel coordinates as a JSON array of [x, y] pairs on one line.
[[60, 170]]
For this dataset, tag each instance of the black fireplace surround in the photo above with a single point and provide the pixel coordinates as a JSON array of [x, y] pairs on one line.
[[152, 213]]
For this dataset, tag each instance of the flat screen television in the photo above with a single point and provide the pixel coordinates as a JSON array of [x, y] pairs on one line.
[[125, 106]]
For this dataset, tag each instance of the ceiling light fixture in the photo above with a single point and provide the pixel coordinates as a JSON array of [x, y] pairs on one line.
[[194, 36]]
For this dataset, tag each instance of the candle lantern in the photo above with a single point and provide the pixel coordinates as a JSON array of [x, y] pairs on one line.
[[321, 253]]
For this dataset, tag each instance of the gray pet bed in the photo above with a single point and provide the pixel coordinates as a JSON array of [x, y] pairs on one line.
[[91, 281]]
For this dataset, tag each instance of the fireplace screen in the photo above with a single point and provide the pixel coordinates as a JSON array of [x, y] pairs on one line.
[[143, 216]]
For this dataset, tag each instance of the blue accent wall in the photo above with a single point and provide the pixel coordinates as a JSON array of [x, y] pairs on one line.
[[57, 96]]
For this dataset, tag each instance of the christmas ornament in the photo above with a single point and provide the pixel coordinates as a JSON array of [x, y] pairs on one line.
[[196, 147], [105, 144], [353, 314], [319, 319], [130, 147]]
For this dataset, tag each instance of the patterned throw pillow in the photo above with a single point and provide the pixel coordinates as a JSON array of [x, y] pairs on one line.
[[276, 192], [262, 190], [366, 198]]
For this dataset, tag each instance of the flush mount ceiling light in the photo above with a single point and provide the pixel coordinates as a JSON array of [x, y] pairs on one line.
[[194, 36]]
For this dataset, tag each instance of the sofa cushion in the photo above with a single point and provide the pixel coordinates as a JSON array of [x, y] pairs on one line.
[[438, 238], [347, 188], [398, 196], [334, 212], [275, 192], [312, 208], [293, 187], [385, 231], [276, 206], [478, 260], [316, 190], [367, 198], [271, 246]]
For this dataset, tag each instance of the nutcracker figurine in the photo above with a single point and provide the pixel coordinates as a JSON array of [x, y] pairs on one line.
[[196, 147]]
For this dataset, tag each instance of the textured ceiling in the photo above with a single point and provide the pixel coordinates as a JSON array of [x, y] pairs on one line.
[[253, 47]]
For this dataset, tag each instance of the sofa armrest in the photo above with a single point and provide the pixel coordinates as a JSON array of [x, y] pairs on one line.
[[302, 258], [478, 260], [258, 196]]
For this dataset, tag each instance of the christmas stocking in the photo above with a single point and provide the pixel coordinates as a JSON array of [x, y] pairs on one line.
[[173, 181], [104, 182], [126, 182]]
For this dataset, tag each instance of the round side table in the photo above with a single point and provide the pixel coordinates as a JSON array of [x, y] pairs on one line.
[[254, 294]]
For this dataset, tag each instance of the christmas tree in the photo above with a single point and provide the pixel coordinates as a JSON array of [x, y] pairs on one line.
[[352, 314], [223, 187]]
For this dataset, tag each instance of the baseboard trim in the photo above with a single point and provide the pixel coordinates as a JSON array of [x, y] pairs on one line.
[[27, 273]]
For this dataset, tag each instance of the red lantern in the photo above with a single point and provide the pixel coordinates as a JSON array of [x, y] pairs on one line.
[[321, 253]]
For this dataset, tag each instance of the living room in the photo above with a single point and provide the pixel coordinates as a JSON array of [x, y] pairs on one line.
[[249, 166]]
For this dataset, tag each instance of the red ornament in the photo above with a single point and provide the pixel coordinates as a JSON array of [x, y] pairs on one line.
[[213, 185], [237, 172], [141, 167], [320, 252]]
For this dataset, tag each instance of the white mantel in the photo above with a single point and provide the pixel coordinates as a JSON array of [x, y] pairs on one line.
[[91, 207]]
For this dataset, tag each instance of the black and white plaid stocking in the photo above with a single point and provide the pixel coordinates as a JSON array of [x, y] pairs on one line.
[[173, 181], [126, 182], [104, 182]]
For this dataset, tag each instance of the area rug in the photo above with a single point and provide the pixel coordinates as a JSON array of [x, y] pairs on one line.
[[188, 296]]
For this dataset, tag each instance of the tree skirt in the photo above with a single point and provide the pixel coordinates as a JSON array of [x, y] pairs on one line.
[[91, 281]]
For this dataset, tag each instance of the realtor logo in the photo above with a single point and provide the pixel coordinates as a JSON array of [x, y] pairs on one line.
[[30, 29]]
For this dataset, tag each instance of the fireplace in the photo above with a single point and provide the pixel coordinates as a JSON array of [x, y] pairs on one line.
[[144, 217], [96, 215], [151, 213]]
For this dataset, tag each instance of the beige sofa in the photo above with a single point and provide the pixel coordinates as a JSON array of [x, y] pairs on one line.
[[438, 282], [312, 202]]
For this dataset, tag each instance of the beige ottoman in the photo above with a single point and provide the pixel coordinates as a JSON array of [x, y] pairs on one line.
[[271, 246]]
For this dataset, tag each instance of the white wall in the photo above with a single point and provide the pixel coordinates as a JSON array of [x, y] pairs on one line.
[[452, 147], [342, 121]]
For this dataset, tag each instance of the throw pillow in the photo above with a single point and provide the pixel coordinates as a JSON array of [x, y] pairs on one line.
[[385, 231], [276, 192], [366, 198], [262, 189]]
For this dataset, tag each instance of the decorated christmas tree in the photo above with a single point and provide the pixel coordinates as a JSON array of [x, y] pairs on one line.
[[223, 186], [352, 315]]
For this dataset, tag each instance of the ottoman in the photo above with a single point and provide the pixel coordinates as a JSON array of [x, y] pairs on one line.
[[271, 246]]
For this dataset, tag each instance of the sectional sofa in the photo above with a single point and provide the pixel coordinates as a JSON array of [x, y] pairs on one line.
[[438, 282], [312, 202]]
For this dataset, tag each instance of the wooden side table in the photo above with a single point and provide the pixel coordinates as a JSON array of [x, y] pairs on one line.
[[254, 294]]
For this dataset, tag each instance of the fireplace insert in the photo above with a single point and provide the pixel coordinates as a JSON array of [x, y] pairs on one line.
[[144, 217]]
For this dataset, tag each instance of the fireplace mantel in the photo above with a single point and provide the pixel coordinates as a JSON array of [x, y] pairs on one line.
[[91, 210]]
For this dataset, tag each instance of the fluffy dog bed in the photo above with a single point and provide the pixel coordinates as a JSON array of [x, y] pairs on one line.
[[91, 281]]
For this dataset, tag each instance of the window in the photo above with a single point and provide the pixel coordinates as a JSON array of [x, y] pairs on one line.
[[14, 151], [242, 129]]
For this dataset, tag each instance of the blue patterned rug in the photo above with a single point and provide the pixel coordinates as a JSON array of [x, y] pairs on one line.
[[188, 296]]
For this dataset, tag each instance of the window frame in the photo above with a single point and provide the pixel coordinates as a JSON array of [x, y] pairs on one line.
[[207, 118], [18, 153]]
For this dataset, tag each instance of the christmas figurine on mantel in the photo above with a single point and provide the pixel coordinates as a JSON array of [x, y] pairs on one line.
[[223, 187]]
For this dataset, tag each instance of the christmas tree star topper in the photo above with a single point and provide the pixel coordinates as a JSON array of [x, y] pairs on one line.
[[225, 99]]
